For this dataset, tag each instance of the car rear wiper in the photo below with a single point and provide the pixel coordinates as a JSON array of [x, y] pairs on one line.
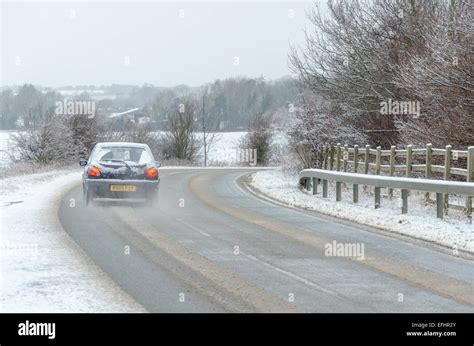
[[121, 161]]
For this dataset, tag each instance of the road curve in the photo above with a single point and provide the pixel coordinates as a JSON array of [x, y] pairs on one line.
[[212, 246]]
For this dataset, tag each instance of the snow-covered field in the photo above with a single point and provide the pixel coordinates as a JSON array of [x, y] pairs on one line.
[[6, 147], [222, 152], [41, 268], [420, 222]]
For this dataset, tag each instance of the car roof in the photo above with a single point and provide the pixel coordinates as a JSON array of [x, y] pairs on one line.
[[122, 144]]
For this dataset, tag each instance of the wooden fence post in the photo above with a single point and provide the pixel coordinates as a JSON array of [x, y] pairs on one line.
[[345, 157], [317, 159], [470, 178], [366, 164], [470, 164], [366, 159], [377, 189], [325, 162], [429, 154], [356, 158], [355, 187], [331, 157], [447, 174], [409, 159], [338, 157], [378, 157], [392, 167]]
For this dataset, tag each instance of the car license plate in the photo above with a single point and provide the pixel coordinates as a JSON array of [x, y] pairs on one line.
[[123, 188]]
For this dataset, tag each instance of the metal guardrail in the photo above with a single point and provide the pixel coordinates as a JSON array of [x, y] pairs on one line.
[[311, 177], [428, 161]]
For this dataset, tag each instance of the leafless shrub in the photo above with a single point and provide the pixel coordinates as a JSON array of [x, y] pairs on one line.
[[315, 127], [259, 137], [52, 142], [179, 141], [58, 140]]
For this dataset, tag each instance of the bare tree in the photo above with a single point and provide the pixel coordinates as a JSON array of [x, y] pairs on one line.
[[179, 142], [317, 125], [355, 55], [209, 125], [442, 80]]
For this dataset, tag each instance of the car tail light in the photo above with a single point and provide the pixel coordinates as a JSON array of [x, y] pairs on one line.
[[93, 172], [151, 174]]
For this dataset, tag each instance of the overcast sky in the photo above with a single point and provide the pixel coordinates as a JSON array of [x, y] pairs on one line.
[[163, 43]]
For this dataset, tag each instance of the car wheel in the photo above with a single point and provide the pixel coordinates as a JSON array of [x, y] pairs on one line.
[[88, 197], [152, 199]]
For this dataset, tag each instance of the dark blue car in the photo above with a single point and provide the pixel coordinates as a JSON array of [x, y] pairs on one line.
[[120, 170]]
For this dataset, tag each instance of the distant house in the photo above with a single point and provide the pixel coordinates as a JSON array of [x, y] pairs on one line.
[[131, 114], [144, 120]]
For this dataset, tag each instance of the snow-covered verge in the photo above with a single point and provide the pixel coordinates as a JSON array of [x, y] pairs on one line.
[[41, 267], [420, 222]]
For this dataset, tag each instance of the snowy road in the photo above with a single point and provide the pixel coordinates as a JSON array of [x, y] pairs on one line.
[[212, 246]]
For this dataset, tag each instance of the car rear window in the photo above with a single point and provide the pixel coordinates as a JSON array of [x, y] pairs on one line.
[[133, 155]]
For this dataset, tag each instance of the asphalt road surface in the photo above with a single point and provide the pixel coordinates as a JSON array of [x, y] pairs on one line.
[[210, 245]]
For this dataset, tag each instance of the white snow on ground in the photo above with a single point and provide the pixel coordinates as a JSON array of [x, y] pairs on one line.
[[6, 147], [420, 222], [41, 267], [224, 150]]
